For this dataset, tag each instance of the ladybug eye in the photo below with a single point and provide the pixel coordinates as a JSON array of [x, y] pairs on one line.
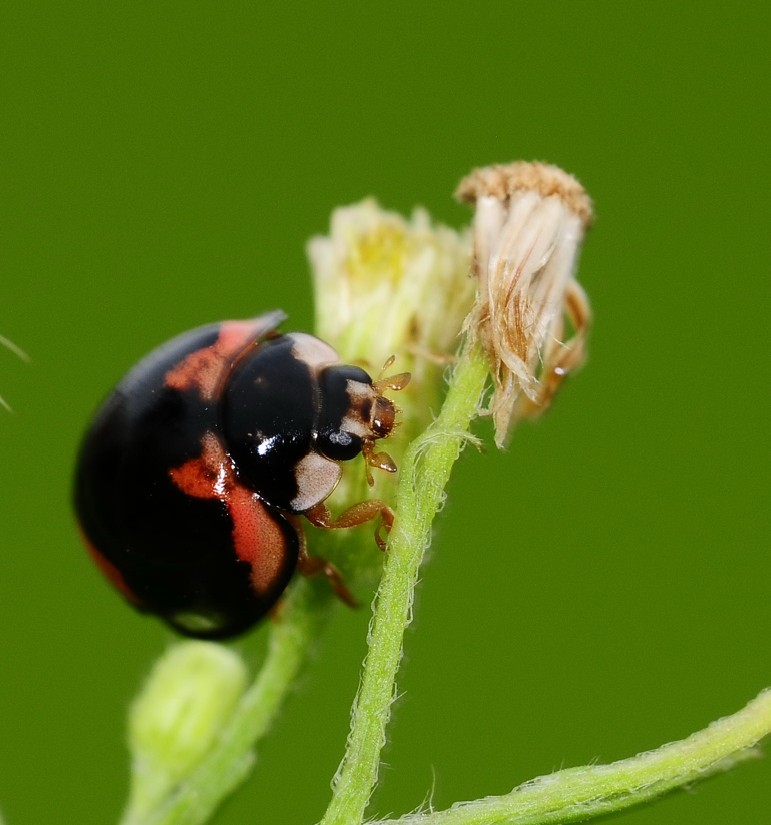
[[338, 444]]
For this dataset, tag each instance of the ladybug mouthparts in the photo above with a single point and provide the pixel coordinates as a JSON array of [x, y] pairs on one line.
[[383, 415]]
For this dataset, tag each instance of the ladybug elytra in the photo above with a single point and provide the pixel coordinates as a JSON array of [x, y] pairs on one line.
[[194, 473]]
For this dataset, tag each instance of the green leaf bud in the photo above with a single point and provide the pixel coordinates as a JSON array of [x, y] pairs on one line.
[[186, 701]]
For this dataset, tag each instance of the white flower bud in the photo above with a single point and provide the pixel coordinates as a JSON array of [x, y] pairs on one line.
[[385, 285], [388, 285], [529, 224]]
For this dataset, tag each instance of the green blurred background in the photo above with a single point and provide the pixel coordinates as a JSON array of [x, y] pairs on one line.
[[599, 589]]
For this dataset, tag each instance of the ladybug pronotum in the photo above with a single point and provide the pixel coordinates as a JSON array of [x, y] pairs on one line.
[[194, 473]]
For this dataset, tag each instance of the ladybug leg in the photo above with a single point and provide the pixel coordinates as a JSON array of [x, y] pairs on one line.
[[319, 516], [313, 565]]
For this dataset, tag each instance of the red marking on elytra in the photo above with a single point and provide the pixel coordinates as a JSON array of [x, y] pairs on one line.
[[203, 369], [257, 538], [114, 576]]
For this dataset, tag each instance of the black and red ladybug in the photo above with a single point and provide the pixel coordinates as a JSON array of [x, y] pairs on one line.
[[194, 472]]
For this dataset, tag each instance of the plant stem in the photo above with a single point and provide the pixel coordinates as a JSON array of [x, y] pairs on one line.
[[302, 618], [425, 471], [577, 794]]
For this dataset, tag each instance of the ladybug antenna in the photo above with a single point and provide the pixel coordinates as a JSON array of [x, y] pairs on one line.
[[392, 382], [383, 420]]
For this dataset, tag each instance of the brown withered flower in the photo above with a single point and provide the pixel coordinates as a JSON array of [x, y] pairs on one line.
[[531, 317]]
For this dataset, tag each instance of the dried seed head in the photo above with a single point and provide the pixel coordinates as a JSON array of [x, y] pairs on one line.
[[529, 223]]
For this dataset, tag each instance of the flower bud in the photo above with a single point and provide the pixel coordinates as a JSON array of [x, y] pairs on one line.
[[385, 285], [528, 227], [174, 722]]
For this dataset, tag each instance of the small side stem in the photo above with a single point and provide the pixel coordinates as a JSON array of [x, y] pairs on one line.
[[425, 472], [577, 794]]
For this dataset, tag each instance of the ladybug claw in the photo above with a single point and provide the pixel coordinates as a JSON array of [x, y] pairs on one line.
[[381, 542], [387, 522]]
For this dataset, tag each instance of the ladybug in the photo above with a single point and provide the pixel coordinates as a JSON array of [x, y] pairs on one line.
[[193, 475]]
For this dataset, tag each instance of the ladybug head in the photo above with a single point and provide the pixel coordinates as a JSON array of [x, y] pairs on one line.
[[353, 413]]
